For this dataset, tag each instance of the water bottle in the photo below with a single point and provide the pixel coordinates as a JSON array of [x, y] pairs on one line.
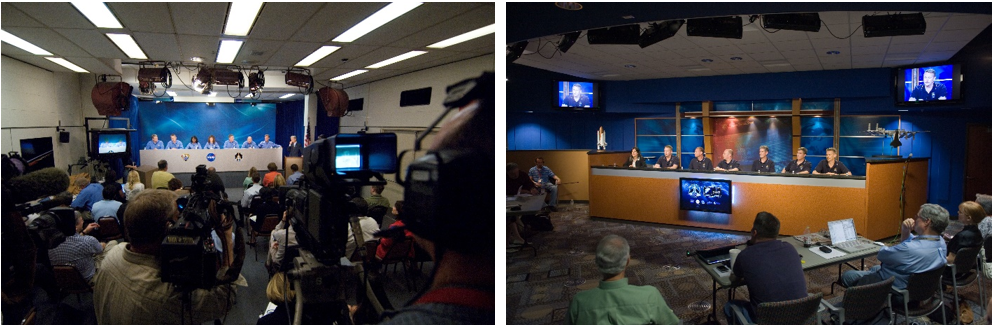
[[805, 238]]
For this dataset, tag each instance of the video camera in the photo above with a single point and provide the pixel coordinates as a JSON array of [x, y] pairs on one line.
[[188, 256], [47, 229]]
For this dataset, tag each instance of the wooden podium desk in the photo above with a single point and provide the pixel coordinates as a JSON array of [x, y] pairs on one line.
[[799, 201]]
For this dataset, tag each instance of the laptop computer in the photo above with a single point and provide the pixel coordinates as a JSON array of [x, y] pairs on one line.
[[843, 236]]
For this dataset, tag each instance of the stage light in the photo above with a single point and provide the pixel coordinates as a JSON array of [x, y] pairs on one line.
[[465, 37], [514, 51], [348, 75], [227, 77], [147, 78], [67, 64], [300, 78], [381, 17], [203, 82], [317, 55], [396, 59], [127, 45], [240, 17], [568, 40], [658, 32], [256, 82], [228, 50], [98, 14], [20, 43]]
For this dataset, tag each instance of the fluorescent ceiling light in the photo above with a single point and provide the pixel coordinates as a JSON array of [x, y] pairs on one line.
[[317, 55], [286, 96], [240, 17], [20, 43], [464, 37], [67, 64], [228, 50], [381, 17], [348, 75], [171, 93], [396, 59], [98, 14], [127, 45]]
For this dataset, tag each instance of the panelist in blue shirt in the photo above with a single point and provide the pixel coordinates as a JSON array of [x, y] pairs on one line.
[[267, 144], [211, 143], [173, 143], [249, 143], [231, 143], [194, 144], [154, 144]]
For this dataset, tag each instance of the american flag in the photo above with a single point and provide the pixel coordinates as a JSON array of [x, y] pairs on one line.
[[307, 140]]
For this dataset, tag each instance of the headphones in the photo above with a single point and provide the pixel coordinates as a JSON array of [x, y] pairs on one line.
[[442, 203]]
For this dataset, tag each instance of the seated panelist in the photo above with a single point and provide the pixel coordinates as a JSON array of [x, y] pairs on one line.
[[231, 143], [173, 143], [194, 144], [154, 144], [830, 166], [249, 144], [763, 164], [211, 143], [636, 159], [700, 162], [728, 164], [799, 165], [267, 143], [668, 161]]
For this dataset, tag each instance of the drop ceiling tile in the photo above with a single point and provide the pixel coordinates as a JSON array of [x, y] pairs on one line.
[[794, 45], [279, 22], [205, 47], [143, 16], [161, 46], [872, 49], [831, 32], [859, 40], [957, 35], [907, 48], [934, 23], [944, 46], [795, 54], [55, 15], [863, 65], [93, 42], [430, 23], [10, 16], [334, 19], [786, 35], [198, 18], [256, 51], [49, 40], [976, 23], [868, 58], [756, 36], [292, 52], [693, 53], [907, 39], [93, 65], [760, 57], [724, 50], [709, 42]]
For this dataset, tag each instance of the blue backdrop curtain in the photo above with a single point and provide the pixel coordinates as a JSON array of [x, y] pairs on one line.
[[325, 126], [290, 121]]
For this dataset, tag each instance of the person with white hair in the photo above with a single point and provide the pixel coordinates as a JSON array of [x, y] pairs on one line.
[[986, 225], [615, 301]]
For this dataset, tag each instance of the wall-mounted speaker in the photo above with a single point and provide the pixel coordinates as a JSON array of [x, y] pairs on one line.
[[63, 137], [356, 104], [893, 25], [716, 27], [616, 35], [416, 97]]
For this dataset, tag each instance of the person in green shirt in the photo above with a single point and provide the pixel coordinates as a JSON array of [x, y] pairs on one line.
[[375, 199], [615, 301], [161, 177]]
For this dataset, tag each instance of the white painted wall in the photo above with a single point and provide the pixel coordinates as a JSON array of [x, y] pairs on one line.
[[34, 97]]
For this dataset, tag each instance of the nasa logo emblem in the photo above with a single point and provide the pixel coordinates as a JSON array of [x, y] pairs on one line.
[[210, 157]]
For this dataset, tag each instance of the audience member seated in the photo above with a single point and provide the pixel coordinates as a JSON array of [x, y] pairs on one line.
[[919, 252], [386, 243], [517, 182], [108, 206], [217, 185], [128, 288], [281, 238], [367, 225], [161, 177], [615, 301], [770, 268], [376, 199], [174, 185], [277, 182], [252, 191], [273, 173], [295, 174], [133, 186], [93, 193], [544, 178], [79, 184], [248, 181], [970, 213], [986, 225], [79, 248], [268, 206]]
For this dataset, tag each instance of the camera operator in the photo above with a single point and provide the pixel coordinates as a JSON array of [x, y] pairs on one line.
[[461, 242], [129, 288]]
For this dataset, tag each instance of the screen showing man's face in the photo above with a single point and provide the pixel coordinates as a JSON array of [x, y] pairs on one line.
[[576, 91], [928, 79]]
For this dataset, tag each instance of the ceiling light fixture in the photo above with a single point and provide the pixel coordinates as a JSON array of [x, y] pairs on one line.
[[67, 64], [396, 59], [317, 55], [203, 82], [241, 15], [378, 19], [286, 96], [127, 45], [490, 29], [197, 59], [13, 40], [228, 50], [98, 14], [348, 75]]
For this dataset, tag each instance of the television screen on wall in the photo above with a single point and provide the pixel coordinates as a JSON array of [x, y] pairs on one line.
[[576, 95], [710, 195], [929, 84]]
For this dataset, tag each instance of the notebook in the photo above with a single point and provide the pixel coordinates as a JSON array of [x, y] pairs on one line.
[[843, 236]]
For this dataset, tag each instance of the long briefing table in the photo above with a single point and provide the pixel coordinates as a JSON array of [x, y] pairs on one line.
[[184, 160], [799, 201]]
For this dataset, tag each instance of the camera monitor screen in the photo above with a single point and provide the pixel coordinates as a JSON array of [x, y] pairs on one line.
[[112, 143], [347, 157], [711, 195], [576, 95], [933, 84]]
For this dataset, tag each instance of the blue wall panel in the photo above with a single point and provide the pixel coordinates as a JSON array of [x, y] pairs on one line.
[[656, 127], [816, 126]]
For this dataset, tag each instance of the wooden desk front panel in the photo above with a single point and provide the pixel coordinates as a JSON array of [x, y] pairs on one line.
[[655, 200], [884, 184]]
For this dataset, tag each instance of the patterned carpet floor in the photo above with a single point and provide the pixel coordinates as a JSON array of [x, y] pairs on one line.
[[535, 285]]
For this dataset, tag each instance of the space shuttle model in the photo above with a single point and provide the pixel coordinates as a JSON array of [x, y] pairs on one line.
[[601, 144]]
